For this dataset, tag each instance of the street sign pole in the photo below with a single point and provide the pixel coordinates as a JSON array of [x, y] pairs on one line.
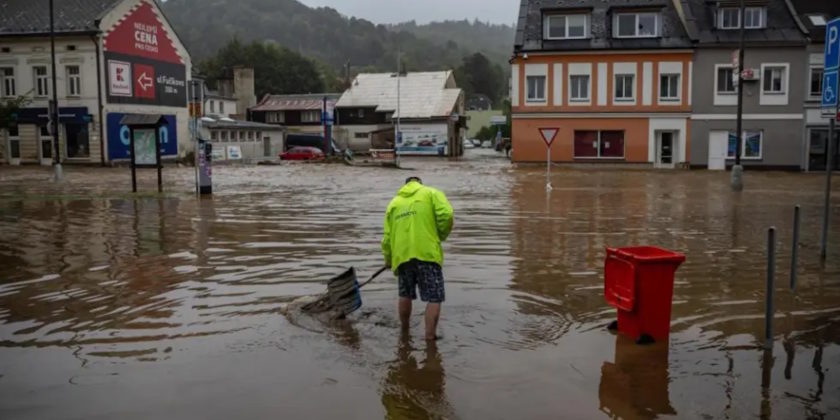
[[829, 100], [548, 135]]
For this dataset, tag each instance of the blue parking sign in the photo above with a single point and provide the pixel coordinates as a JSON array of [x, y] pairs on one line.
[[832, 63]]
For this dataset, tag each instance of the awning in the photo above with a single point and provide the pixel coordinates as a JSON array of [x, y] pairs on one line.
[[143, 119]]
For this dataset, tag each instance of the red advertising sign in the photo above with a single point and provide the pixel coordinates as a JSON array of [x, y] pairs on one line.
[[141, 34], [144, 81]]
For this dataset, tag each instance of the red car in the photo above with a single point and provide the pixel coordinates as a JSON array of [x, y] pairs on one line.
[[302, 153]]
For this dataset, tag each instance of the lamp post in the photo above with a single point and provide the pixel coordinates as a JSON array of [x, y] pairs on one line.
[[53, 107], [737, 180]]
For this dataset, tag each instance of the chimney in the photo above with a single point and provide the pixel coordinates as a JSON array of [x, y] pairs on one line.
[[243, 88]]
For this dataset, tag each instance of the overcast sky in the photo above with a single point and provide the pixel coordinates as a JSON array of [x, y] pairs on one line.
[[422, 11]]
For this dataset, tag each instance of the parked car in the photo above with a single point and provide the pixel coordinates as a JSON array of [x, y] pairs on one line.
[[302, 153]]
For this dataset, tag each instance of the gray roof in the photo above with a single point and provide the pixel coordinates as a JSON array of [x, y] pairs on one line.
[[422, 95], [782, 28], [302, 102], [30, 17], [529, 29], [826, 9]]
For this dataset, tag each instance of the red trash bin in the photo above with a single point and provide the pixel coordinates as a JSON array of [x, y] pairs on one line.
[[639, 282]]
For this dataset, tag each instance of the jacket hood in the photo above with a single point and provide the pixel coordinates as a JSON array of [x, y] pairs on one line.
[[409, 189]]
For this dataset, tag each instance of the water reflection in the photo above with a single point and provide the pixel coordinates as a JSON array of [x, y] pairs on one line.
[[635, 385], [415, 389]]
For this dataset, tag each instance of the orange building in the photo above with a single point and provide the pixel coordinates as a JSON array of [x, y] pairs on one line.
[[613, 79]]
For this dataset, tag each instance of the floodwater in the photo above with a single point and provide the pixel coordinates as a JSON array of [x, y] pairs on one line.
[[165, 306]]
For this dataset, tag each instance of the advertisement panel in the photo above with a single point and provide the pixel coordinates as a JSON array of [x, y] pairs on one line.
[[428, 139], [119, 139], [142, 63], [144, 147]]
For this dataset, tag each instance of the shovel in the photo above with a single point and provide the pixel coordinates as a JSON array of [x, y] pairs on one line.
[[343, 294]]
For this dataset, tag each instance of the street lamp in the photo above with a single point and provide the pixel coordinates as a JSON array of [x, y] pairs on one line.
[[737, 180], [53, 107]]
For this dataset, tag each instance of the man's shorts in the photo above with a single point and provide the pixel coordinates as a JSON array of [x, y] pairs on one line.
[[425, 275]]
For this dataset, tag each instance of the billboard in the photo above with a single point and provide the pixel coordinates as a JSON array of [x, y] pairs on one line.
[[119, 140], [423, 139], [142, 63]]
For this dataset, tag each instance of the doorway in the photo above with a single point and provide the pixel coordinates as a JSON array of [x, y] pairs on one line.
[[266, 147], [45, 145], [718, 150], [666, 149]]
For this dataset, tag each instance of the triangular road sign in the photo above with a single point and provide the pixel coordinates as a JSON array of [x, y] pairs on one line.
[[548, 135]]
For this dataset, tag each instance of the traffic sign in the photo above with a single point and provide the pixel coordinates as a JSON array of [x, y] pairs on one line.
[[548, 135], [832, 63]]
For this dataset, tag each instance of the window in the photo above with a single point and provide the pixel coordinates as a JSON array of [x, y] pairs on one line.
[[773, 79], [259, 134], [724, 80], [46, 142], [636, 25], [212, 107], [223, 135], [669, 87], [536, 88], [310, 116], [8, 79], [42, 81], [567, 27], [817, 153], [750, 149], [590, 144], [74, 81], [730, 18], [221, 107], [579, 88], [624, 87], [360, 135], [817, 20], [78, 140], [275, 117], [754, 17], [241, 136], [815, 84], [361, 113], [251, 135], [214, 135]]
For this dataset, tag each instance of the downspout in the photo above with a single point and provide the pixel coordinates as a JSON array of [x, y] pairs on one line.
[[96, 39]]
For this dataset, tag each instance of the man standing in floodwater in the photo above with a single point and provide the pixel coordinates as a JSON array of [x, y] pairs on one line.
[[417, 220]]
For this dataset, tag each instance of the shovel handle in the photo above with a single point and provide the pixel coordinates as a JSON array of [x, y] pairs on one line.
[[375, 275]]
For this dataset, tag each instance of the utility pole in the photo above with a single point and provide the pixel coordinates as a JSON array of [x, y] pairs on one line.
[[738, 170], [398, 134], [53, 108]]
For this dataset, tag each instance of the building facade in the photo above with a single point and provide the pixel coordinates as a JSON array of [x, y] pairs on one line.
[[613, 79], [775, 77], [113, 57], [299, 114], [243, 141], [429, 107]]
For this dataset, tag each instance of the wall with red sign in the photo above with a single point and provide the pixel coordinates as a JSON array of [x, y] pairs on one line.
[[142, 62]]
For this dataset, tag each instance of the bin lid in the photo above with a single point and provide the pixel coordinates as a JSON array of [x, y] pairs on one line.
[[647, 254]]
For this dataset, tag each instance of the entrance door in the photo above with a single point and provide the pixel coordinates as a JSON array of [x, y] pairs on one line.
[[717, 150], [45, 146], [665, 149], [266, 147]]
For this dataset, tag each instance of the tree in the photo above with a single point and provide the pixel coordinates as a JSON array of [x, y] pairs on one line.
[[477, 75], [9, 108], [277, 70]]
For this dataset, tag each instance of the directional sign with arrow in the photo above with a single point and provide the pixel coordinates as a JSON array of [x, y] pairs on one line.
[[144, 82]]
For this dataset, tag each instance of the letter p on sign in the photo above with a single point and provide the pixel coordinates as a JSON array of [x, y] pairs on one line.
[[832, 45]]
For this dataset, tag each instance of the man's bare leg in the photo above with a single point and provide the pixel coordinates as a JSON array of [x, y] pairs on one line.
[[405, 312], [432, 316]]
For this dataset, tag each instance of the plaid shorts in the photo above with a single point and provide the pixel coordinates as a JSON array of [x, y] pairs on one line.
[[425, 275]]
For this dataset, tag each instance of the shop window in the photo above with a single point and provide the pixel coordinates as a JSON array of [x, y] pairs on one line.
[[46, 142], [591, 144], [817, 151], [751, 147], [14, 142], [78, 140]]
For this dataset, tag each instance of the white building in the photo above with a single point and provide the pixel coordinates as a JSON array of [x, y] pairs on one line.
[[113, 57], [244, 141], [430, 108]]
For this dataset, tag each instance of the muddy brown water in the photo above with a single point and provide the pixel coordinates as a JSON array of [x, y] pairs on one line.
[[113, 306]]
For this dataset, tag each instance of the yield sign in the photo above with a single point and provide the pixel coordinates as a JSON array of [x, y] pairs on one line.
[[548, 135]]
